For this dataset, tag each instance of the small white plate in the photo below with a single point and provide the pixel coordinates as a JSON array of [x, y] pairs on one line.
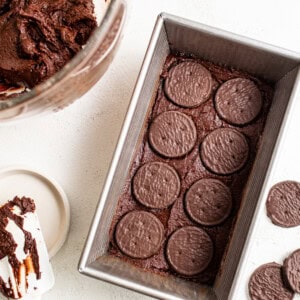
[[52, 204]]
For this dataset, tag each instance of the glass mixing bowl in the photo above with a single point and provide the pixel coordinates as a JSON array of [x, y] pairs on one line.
[[79, 74]]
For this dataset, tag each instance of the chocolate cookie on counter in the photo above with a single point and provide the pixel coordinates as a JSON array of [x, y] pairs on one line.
[[283, 204], [291, 270], [266, 283]]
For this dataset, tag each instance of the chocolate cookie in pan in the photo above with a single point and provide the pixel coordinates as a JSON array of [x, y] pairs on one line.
[[238, 101], [188, 84], [283, 204], [189, 250], [266, 283], [208, 202], [156, 185], [172, 134], [139, 234], [224, 151]]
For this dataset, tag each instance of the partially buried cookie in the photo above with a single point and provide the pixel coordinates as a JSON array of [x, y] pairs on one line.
[[283, 204], [238, 101], [291, 270], [139, 234], [156, 185], [188, 84], [189, 250], [224, 151], [173, 134], [266, 283], [208, 201]]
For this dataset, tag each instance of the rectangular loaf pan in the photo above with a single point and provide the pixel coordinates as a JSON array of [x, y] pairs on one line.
[[172, 34]]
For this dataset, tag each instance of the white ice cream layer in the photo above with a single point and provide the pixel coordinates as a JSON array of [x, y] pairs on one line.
[[19, 237], [6, 272], [35, 286], [31, 224]]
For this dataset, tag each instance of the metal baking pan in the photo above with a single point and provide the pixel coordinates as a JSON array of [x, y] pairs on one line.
[[170, 34]]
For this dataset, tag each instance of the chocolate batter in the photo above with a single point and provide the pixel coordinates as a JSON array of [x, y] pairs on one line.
[[190, 169], [172, 134], [38, 37]]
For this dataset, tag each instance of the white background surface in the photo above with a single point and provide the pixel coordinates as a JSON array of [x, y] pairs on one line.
[[75, 146]]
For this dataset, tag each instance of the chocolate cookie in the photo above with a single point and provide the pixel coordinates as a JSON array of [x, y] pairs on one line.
[[189, 84], [291, 270], [156, 185], [139, 234], [224, 151], [238, 101], [266, 284], [283, 204], [189, 250], [172, 134], [208, 202]]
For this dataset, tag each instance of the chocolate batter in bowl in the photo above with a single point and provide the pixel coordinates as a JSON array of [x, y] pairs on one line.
[[50, 85]]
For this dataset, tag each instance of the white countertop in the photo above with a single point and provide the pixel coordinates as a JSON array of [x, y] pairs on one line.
[[75, 146]]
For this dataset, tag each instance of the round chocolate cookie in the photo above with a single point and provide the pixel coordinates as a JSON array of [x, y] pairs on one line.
[[188, 84], [189, 250], [224, 151], [139, 234], [266, 284], [291, 270], [156, 185], [238, 101], [283, 204], [208, 201], [172, 134]]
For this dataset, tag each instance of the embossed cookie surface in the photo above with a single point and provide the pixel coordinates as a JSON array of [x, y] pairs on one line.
[[266, 283], [189, 250], [208, 201], [238, 101], [139, 234], [156, 185], [283, 204], [189, 84], [173, 134], [224, 151], [291, 270]]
